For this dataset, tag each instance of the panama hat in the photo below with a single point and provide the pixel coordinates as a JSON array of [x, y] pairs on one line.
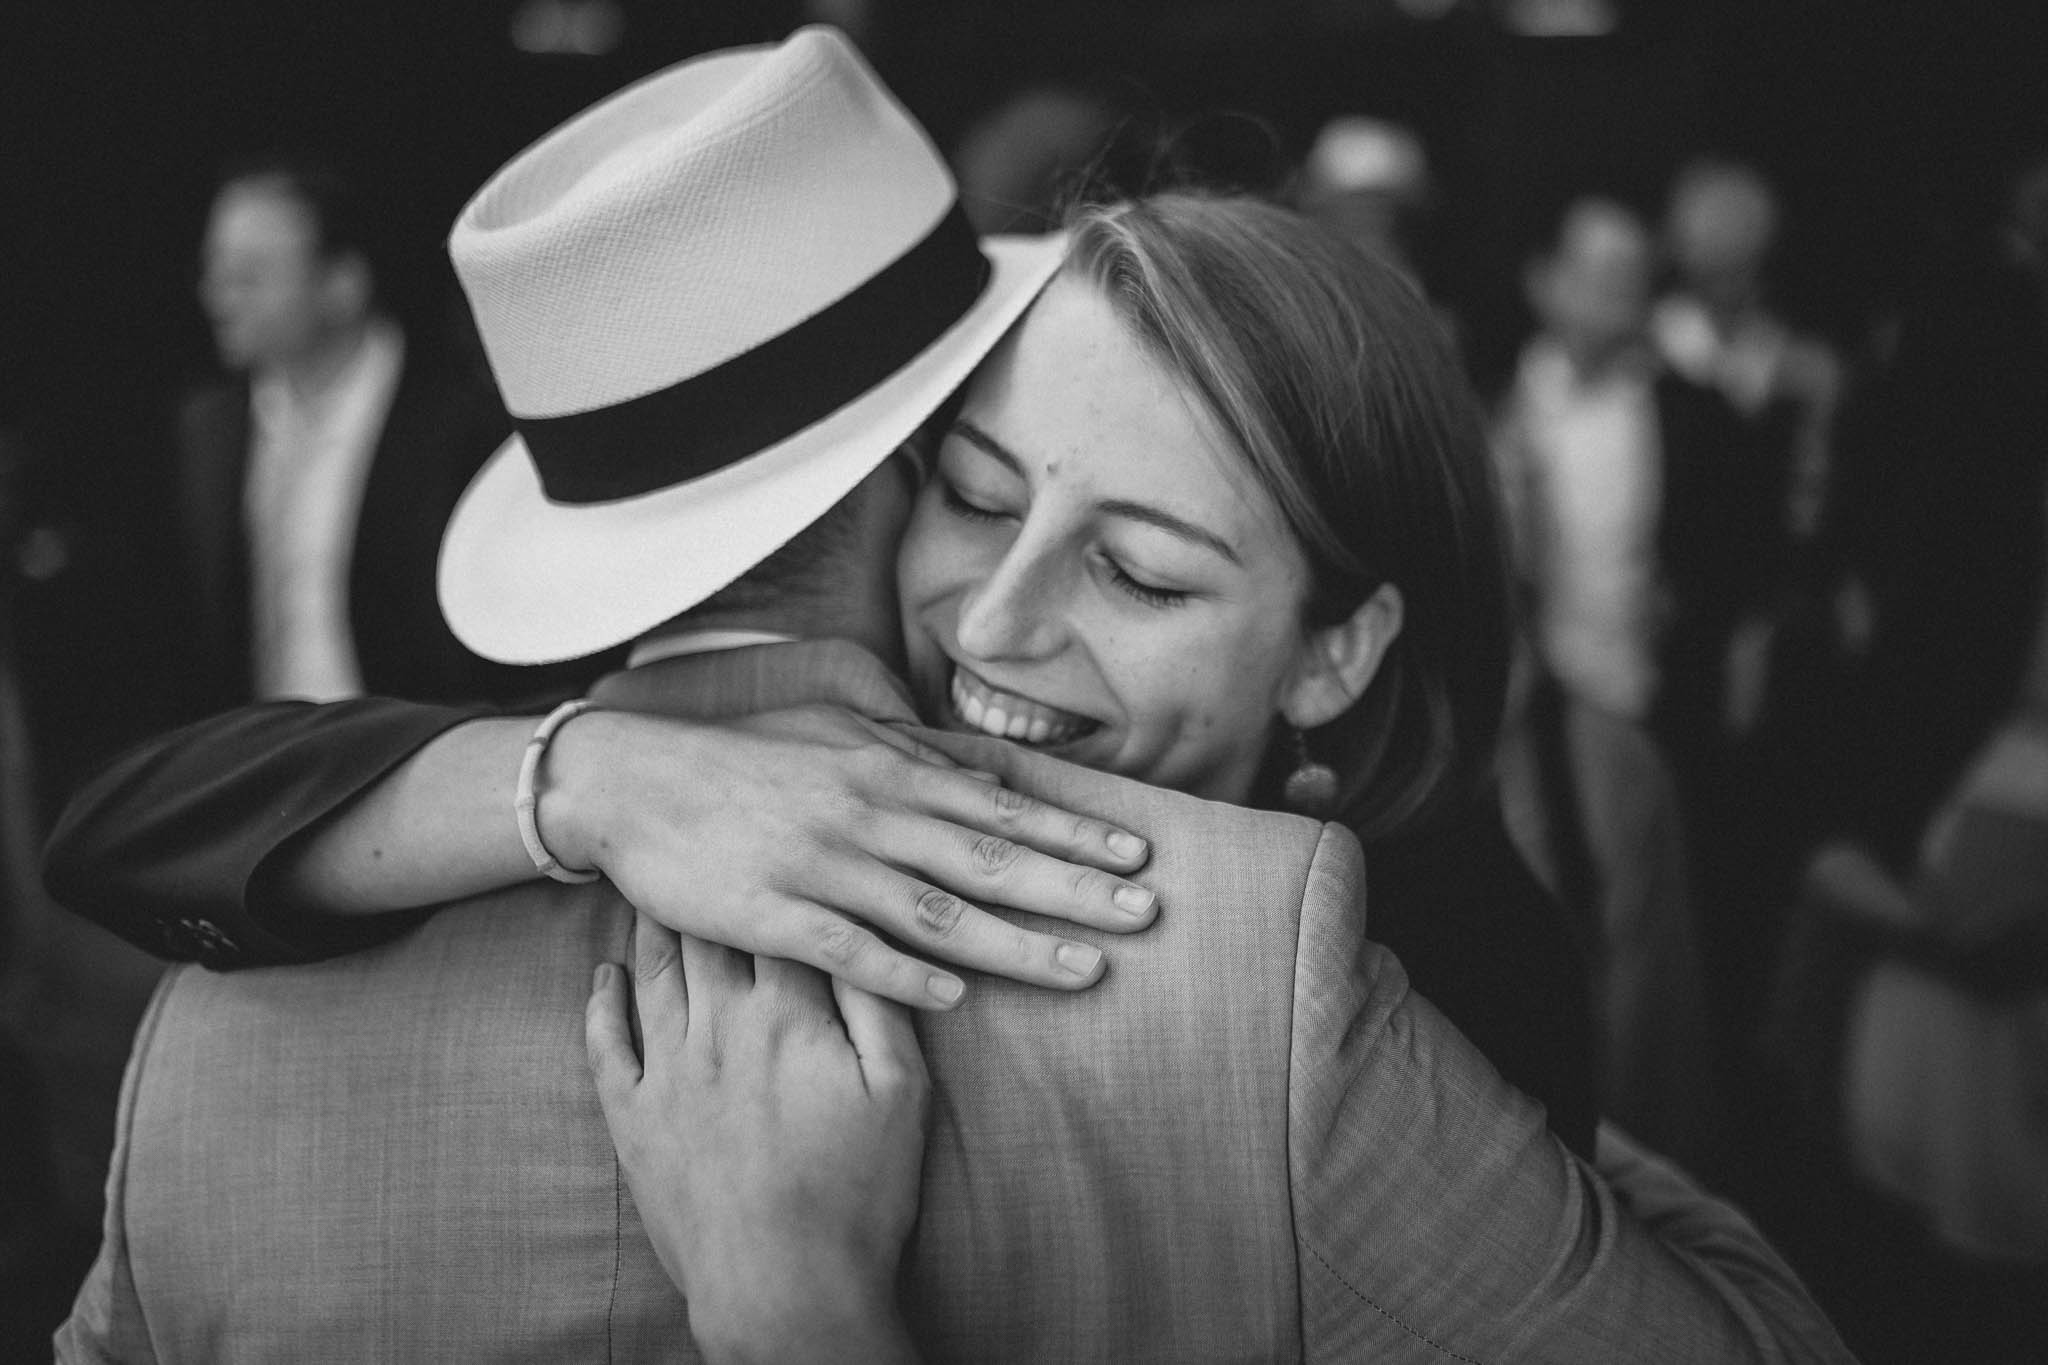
[[714, 303]]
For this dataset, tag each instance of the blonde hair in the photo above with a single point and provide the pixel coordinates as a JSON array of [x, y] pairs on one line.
[[1336, 381]]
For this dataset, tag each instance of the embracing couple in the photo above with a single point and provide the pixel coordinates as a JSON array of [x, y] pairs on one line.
[[1189, 505]]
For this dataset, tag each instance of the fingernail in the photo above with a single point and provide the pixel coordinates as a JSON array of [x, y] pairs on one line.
[[983, 775], [600, 976], [1132, 900], [1078, 958], [1126, 845], [947, 990]]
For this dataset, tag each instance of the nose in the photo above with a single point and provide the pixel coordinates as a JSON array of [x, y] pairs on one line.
[[1014, 613]]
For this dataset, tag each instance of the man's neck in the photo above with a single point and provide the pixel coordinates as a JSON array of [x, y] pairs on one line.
[[874, 630]]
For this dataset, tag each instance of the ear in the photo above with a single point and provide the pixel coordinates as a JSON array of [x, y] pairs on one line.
[[1337, 663]]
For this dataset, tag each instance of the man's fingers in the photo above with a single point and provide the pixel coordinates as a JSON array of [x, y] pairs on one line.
[[799, 987], [607, 1038], [881, 1034], [713, 974], [661, 998]]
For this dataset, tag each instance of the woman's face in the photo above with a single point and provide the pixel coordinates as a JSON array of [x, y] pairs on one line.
[[1093, 570]]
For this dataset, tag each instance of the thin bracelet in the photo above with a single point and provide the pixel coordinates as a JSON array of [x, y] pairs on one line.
[[525, 801]]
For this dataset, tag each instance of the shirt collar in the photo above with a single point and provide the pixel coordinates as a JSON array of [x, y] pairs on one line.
[[701, 642]]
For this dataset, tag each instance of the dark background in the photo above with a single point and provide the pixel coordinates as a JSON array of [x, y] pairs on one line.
[[1887, 123]]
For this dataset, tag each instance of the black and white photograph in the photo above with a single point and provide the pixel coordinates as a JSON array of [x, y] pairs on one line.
[[901, 681]]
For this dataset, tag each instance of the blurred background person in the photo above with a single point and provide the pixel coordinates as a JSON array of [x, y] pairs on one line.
[[1593, 809], [1910, 1017], [1717, 325], [1368, 181], [1623, 483], [1755, 755], [315, 475], [1649, 539]]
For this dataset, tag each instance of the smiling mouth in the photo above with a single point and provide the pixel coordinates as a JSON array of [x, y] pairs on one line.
[[1009, 716]]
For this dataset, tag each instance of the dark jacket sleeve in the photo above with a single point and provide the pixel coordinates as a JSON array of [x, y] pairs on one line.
[[168, 846], [1490, 948]]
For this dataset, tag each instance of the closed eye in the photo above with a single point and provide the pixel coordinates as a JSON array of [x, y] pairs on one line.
[[958, 504], [1142, 591]]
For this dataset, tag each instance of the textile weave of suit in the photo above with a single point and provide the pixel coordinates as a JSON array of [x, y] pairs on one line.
[[1250, 1142]]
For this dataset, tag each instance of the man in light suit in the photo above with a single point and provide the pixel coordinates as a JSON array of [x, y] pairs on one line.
[[1251, 1143]]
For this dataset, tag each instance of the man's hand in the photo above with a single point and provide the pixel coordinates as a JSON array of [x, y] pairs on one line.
[[771, 1129], [800, 833]]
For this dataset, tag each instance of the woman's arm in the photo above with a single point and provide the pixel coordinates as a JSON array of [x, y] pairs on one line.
[[173, 845], [257, 836], [824, 822], [772, 1138]]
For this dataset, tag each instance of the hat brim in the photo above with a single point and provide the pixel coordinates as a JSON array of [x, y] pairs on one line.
[[524, 580]]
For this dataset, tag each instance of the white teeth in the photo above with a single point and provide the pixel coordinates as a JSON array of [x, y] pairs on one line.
[[1020, 720]]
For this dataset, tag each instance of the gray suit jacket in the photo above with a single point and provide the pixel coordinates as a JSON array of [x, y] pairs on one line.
[[1251, 1142]]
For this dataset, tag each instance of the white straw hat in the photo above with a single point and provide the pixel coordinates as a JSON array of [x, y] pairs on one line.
[[714, 303]]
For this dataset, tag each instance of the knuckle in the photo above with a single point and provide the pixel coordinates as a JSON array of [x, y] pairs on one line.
[[1087, 884], [1027, 952], [938, 913], [650, 967], [994, 855], [840, 942], [1011, 804]]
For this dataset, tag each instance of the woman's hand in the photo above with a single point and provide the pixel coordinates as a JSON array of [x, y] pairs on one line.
[[798, 834], [771, 1128]]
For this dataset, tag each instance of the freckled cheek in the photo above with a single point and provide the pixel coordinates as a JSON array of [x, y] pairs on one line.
[[1179, 697]]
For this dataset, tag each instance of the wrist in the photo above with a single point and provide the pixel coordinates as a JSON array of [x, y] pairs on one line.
[[794, 1316], [576, 787]]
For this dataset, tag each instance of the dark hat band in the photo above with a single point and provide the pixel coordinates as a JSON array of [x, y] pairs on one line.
[[762, 396]]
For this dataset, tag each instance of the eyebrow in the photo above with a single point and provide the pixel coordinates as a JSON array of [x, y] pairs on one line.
[[1116, 507]]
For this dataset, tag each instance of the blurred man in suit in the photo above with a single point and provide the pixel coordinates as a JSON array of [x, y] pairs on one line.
[[316, 475]]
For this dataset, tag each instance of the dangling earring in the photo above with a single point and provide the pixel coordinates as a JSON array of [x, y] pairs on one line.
[[1312, 787]]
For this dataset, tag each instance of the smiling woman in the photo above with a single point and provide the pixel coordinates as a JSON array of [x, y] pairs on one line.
[[1102, 577], [1256, 495], [1219, 508]]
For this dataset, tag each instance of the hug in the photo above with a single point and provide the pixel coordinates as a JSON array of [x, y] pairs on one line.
[[1143, 580]]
